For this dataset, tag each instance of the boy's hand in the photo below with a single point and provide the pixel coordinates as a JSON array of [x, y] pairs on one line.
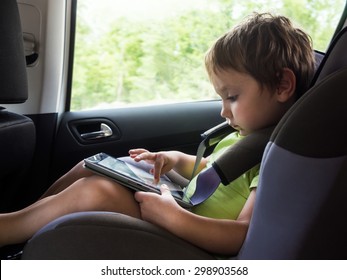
[[162, 162], [157, 209]]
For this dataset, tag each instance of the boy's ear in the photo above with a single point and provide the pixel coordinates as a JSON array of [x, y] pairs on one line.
[[286, 86]]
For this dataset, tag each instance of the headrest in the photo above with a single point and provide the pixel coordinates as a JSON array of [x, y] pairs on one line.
[[323, 107], [13, 76], [335, 57]]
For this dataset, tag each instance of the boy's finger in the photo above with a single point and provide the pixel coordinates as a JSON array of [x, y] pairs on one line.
[[139, 196], [145, 156], [137, 151], [158, 165]]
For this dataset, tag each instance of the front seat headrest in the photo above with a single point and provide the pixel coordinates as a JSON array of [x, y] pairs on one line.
[[13, 76]]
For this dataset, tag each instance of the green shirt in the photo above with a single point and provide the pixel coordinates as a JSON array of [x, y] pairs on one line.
[[227, 201]]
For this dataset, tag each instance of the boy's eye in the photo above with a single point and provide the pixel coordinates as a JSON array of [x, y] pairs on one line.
[[233, 98]]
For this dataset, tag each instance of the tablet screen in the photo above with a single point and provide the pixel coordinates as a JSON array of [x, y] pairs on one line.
[[136, 173]]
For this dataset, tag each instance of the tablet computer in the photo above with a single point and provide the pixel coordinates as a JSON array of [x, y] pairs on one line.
[[132, 176]]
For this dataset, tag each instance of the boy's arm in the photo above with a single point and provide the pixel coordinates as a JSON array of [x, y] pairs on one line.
[[219, 236]]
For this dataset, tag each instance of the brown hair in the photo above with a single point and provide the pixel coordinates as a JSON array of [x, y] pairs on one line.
[[262, 46]]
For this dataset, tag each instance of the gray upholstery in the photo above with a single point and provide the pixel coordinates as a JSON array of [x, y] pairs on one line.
[[300, 207], [17, 132]]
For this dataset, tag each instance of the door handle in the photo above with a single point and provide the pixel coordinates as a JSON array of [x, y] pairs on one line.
[[104, 132]]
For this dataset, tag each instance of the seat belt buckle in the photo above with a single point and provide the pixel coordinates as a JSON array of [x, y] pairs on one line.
[[215, 134]]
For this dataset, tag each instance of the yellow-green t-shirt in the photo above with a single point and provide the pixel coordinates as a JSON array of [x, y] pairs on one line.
[[227, 201]]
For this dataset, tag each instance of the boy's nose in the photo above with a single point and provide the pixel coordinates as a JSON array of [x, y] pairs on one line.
[[222, 113], [225, 113]]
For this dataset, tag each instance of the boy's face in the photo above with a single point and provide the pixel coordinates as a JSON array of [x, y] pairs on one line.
[[245, 104]]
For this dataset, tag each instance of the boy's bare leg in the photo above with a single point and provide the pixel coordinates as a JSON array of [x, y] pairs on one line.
[[93, 193], [77, 172]]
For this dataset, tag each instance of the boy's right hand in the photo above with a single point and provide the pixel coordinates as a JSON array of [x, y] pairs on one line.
[[162, 162]]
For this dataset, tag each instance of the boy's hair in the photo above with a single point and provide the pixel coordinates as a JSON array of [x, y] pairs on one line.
[[262, 46]]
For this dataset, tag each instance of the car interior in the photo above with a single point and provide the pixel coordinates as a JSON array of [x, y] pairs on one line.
[[299, 211]]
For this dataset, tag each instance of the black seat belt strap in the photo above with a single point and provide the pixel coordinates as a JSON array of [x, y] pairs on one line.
[[210, 138]]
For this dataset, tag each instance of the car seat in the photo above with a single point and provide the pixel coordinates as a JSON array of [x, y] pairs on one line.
[[17, 132], [299, 210]]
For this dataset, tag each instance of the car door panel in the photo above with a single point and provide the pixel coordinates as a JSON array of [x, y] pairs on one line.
[[161, 127]]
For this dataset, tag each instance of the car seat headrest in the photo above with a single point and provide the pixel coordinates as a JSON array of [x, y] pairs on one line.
[[322, 107], [334, 58], [13, 76]]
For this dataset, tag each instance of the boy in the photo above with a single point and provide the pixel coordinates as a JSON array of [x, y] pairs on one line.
[[259, 69]]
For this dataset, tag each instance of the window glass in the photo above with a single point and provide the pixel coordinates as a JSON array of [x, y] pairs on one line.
[[141, 52]]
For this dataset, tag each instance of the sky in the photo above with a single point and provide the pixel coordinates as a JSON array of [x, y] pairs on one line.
[[142, 8], [100, 14]]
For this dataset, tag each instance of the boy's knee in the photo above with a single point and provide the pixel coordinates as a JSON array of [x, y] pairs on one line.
[[98, 189], [98, 193], [80, 171]]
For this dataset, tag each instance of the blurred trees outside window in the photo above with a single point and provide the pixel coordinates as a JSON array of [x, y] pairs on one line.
[[141, 52]]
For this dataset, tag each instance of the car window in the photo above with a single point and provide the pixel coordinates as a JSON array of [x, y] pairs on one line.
[[140, 52]]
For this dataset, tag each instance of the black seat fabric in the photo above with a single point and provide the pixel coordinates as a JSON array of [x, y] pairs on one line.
[[17, 132], [147, 241], [13, 76], [299, 211]]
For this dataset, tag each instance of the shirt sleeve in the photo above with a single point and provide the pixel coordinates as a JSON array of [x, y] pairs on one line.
[[254, 177]]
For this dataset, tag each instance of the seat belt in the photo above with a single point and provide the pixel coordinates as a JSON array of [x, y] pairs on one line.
[[208, 177], [210, 137], [235, 161]]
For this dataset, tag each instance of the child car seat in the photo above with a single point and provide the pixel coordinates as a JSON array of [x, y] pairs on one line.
[[299, 211], [299, 197]]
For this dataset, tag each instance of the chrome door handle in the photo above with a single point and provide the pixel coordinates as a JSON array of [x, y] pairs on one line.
[[105, 131]]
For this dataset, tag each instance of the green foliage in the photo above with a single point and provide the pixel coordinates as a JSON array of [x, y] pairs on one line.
[[157, 60]]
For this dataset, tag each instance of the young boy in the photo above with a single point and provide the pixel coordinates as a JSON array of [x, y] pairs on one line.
[[259, 69]]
